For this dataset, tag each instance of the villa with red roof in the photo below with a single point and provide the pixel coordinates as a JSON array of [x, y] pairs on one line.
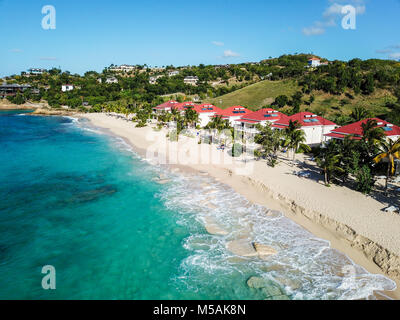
[[165, 107], [356, 132], [234, 113], [314, 126], [248, 122], [206, 113]]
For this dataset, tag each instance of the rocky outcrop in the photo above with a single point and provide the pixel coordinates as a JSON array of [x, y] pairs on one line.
[[244, 248], [51, 112], [213, 228]]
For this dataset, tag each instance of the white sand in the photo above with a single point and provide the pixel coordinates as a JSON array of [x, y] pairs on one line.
[[354, 223]]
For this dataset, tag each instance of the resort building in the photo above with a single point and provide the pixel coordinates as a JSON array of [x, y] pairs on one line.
[[248, 122], [314, 126], [165, 107], [355, 130], [67, 87], [206, 113], [191, 80], [234, 113]]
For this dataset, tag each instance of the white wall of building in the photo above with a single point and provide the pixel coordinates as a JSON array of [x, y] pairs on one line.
[[315, 134]]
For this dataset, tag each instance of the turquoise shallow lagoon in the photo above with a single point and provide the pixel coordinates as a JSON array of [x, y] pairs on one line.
[[83, 202]]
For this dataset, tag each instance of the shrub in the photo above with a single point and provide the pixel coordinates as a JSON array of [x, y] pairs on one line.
[[364, 180]]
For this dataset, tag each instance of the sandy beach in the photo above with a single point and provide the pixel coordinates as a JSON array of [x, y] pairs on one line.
[[354, 223]]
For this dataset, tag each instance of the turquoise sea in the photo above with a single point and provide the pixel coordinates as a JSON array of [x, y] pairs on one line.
[[82, 201]]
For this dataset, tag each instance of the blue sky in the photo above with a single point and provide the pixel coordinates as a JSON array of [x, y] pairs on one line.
[[92, 34]]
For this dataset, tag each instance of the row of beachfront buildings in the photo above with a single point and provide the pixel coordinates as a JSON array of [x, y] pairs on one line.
[[316, 128]]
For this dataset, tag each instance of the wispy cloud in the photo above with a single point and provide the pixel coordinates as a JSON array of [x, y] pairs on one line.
[[331, 15], [218, 43], [392, 51], [395, 55], [384, 51], [16, 50], [48, 58], [230, 54]]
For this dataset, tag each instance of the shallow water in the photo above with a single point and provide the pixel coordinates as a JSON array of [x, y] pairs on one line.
[[83, 202]]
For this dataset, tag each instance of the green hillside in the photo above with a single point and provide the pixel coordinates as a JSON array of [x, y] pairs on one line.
[[257, 95]]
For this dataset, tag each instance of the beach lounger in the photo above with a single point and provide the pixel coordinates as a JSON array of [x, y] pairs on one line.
[[392, 209]]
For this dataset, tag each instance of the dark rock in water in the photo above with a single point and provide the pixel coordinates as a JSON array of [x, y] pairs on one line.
[[256, 283], [91, 195], [270, 289]]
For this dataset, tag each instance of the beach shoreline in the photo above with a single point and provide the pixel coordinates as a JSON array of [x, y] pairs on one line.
[[277, 189]]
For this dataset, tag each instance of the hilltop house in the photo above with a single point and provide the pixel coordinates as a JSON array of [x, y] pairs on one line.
[[111, 80], [191, 80], [36, 71], [314, 62], [173, 73], [314, 126], [153, 80], [355, 130], [10, 90], [67, 87]]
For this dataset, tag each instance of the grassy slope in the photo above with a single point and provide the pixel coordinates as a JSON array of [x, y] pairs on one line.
[[257, 95], [331, 105], [264, 93]]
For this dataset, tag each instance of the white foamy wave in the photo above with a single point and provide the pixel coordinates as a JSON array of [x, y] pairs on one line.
[[73, 119], [306, 267]]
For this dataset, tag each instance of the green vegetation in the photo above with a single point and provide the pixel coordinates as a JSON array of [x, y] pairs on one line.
[[256, 96], [359, 160]]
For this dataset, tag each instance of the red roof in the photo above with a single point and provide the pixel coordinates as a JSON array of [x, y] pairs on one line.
[[356, 129], [236, 111], [267, 114], [207, 108], [167, 105], [314, 59], [184, 105], [306, 119]]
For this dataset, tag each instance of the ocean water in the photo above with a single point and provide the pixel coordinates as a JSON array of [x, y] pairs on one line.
[[84, 202]]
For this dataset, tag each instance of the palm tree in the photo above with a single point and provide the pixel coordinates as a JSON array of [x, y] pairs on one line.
[[329, 163], [295, 138], [389, 151], [191, 116], [371, 132], [359, 113], [218, 124]]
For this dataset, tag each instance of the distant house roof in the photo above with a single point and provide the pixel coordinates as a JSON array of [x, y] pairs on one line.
[[314, 59], [267, 114], [306, 119], [235, 111], [355, 129]]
